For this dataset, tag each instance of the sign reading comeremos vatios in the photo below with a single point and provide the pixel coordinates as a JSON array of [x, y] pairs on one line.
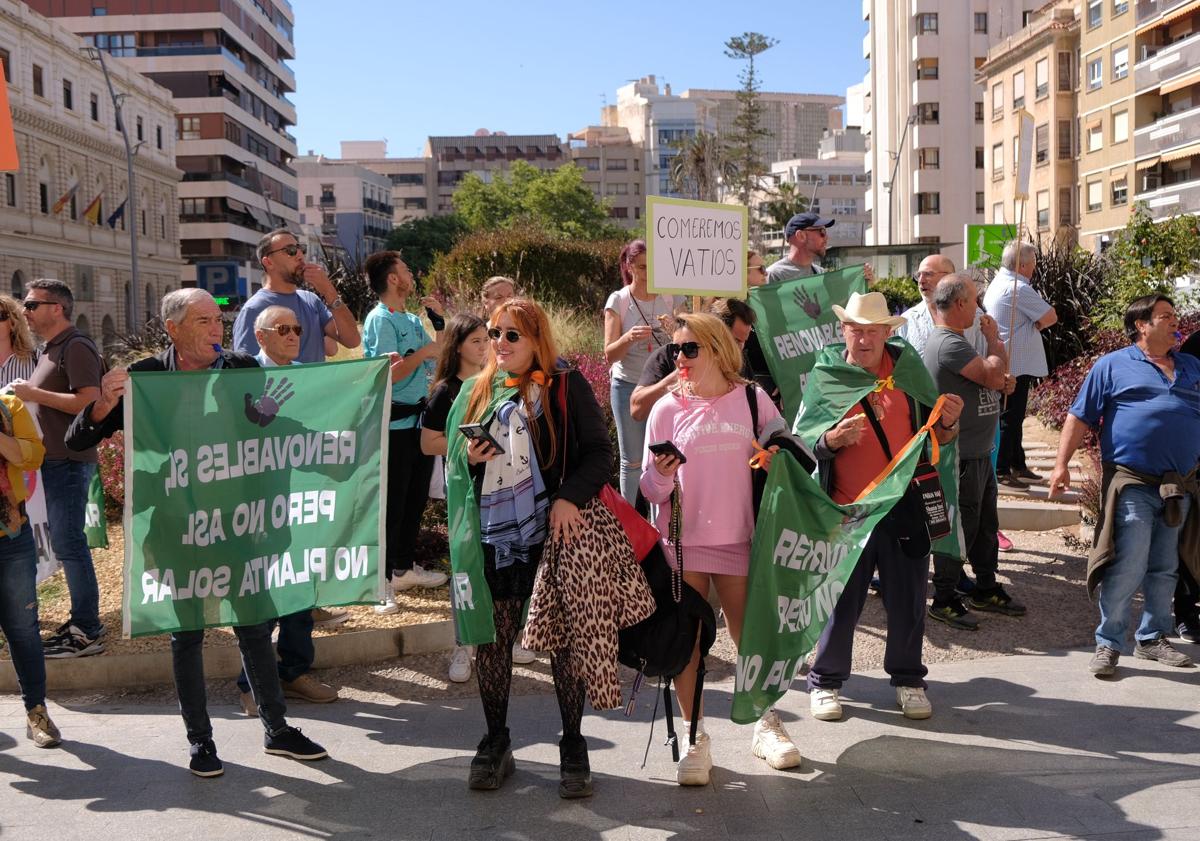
[[695, 247]]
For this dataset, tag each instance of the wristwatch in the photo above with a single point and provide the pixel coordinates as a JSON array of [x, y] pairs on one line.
[[335, 303], [949, 428]]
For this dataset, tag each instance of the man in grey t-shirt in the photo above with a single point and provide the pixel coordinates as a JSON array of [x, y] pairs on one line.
[[807, 235], [957, 368]]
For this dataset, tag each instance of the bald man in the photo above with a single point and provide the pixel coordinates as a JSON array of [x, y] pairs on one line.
[[919, 323]]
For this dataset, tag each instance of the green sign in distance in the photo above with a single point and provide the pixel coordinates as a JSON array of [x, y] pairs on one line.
[[983, 244]]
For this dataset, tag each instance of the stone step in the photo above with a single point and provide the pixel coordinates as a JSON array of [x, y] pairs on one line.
[[1039, 492], [1032, 515]]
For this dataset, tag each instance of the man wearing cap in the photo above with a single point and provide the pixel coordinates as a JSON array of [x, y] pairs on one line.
[[807, 236], [851, 453]]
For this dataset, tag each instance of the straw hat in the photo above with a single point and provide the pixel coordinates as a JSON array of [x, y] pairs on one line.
[[870, 308]]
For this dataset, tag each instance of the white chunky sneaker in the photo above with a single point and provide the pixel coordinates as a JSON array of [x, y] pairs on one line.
[[913, 702], [522, 655], [825, 705], [387, 606], [418, 576], [696, 763], [772, 743], [460, 664]]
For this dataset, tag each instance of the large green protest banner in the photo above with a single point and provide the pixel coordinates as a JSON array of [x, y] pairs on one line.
[[796, 320], [253, 493], [804, 550]]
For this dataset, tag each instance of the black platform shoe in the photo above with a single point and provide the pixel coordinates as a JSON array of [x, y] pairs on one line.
[[492, 763], [575, 774]]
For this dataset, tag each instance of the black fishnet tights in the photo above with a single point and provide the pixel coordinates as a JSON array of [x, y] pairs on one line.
[[493, 670]]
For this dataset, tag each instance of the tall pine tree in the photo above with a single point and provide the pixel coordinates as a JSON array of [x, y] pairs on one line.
[[748, 130]]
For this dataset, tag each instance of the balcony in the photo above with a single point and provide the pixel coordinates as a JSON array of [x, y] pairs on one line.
[[328, 202], [175, 52], [926, 90], [925, 136], [925, 45], [928, 181], [1178, 59], [1170, 132], [1147, 9], [1173, 200]]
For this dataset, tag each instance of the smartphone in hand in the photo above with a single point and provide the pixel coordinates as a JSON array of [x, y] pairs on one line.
[[668, 448], [476, 432]]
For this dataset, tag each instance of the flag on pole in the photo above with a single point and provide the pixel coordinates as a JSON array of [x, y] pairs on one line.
[[66, 197], [92, 211], [116, 215]]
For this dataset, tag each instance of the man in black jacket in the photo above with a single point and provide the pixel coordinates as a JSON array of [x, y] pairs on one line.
[[193, 322]]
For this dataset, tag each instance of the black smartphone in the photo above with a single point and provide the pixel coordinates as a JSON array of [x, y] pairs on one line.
[[667, 448], [476, 432]]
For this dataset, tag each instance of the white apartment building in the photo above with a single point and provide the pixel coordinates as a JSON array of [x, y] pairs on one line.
[[346, 201], [834, 184], [795, 122], [923, 114]]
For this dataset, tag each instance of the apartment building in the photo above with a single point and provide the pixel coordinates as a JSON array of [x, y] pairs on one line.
[[1033, 72], [348, 202], [612, 169], [834, 184], [485, 154], [226, 63], [795, 122], [64, 212], [410, 177], [924, 115]]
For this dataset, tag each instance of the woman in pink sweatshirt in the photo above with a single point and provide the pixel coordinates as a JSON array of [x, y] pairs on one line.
[[708, 418]]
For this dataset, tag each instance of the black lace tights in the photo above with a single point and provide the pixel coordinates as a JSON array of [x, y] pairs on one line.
[[493, 669]]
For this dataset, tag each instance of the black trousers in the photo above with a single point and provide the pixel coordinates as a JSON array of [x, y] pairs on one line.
[[980, 522], [1187, 597], [409, 471], [1011, 455]]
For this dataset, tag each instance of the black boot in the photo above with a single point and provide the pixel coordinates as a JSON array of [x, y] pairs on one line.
[[492, 763], [575, 774]]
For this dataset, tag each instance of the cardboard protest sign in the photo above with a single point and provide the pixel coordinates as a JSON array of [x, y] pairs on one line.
[[695, 247]]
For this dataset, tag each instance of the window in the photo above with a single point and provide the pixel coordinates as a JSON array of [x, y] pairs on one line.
[[308, 201], [928, 158], [1095, 69], [1065, 197], [1064, 71], [1095, 196], [189, 128], [1095, 137], [617, 189], [927, 23], [1018, 90], [927, 113], [619, 164], [1065, 152], [120, 44], [1026, 17], [979, 157], [141, 129], [10, 190], [997, 100], [1043, 210], [998, 160], [998, 213], [844, 207], [1120, 7], [68, 95], [1095, 13], [158, 137], [979, 112], [191, 207], [618, 212], [1120, 126], [5, 58], [1016, 152], [1041, 78], [38, 87], [1041, 144], [143, 215], [1120, 63], [929, 203], [981, 24], [590, 164], [94, 106], [980, 203], [927, 68], [1120, 192]]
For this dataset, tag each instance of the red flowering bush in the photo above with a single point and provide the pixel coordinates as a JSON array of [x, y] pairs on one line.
[[112, 473]]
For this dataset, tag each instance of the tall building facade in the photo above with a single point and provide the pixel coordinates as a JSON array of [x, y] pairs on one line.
[[924, 115], [1034, 71], [795, 122], [226, 63], [63, 213], [410, 177], [834, 184], [484, 154], [612, 169], [348, 202]]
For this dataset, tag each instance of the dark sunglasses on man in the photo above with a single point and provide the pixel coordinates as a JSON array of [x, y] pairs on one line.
[[290, 250], [690, 350], [32, 305], [286, 329]]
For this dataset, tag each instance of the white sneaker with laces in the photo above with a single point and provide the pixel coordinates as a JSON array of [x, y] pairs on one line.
[[388, 607], [912, 700], [772, 743], [418, 576], [522, 655], [460, 664], [825, 705], [696, 763]]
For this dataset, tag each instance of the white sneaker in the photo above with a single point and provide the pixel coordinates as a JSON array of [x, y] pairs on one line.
[[522, 655], [825, 705], [912, 700], [418, 576], [696, 763], [772, 743], [389, 606], [460, 664]]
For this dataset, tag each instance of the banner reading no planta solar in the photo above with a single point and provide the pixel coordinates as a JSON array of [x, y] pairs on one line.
[[253, 493]]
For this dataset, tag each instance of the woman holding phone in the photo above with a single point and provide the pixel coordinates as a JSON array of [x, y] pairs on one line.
[[707, 418], [504, 507]]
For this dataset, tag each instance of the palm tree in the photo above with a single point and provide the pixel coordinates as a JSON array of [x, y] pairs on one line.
[[700, 165], [787, 201]]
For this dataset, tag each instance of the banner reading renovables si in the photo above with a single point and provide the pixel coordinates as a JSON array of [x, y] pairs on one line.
[[695, 247], [253, 493]]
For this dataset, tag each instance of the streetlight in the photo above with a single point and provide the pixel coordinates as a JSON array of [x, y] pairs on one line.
[[262, 189], [887, 185], [97, 54]]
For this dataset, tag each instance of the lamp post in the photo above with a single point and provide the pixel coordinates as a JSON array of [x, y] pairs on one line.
[[97, 54], [887, 185], [262, 189]]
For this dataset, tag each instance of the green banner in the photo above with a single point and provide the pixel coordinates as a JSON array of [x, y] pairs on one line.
[[805, 548], [253, 493], [94, 525], [796, 320]]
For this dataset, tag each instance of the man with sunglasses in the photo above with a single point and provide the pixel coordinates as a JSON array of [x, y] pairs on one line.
[[807, 236], [65, 380], [278, 334]]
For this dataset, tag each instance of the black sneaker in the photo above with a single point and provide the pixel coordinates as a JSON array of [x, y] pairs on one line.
[[60, 635], [493, 762], [1012, 480], [1027, 475], [965, 585], [953, 614], [291, 742], [575, 773], [204, 762], [1189, 630], [75, 643], [996, 600], [1104, 662], [1162, 651]]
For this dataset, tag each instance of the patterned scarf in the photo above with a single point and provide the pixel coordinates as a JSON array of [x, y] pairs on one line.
[[513, 505]]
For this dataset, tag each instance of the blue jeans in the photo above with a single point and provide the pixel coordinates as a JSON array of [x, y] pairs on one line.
[[19, 614], [258, 660], [295, 645], [631, 438], [66, 485], [1147, 557]]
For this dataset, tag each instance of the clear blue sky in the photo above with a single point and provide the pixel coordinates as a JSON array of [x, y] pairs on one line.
[[370, 69]]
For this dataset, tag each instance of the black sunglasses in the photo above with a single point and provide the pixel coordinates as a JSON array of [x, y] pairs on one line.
[[4, 315], [289, 250], [32, 305], [494, 333], [690, 350], [285, 329]]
